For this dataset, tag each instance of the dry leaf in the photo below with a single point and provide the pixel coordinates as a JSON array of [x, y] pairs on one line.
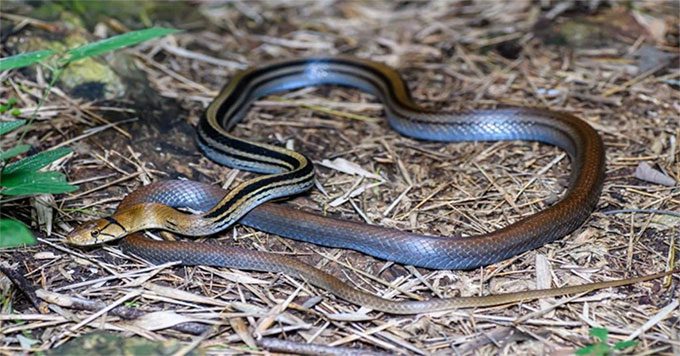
[[655, 26], [42, 204], [345, 166], [165, 319], [356, 192], [182, 295], [645, 172]]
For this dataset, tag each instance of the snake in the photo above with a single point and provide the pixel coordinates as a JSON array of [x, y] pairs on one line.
[[287, 172]]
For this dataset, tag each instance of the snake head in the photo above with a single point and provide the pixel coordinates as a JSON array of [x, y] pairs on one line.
[[96, 232]]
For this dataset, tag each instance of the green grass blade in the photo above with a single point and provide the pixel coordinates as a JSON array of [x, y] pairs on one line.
[[116, 42], [24, 59], [37, 161], [8, 126], [14, 234], [14, 151], [28, 183]]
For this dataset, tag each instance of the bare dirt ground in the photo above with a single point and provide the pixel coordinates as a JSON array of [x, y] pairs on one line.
[[614, 66]]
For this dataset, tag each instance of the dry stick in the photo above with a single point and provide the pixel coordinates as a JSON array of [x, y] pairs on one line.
[[175, 75], [361, 334], [491, 77], [342, 325], [109, 163], [293, 347], [460, 51], [241, 329], [71, 252], [508, 198], [24, 286], [123, 312], [662, 314], [423, 201], [94, 130], [639, 235], [272, 314], [631, 242], [194, 343], [123, 179], [396, 201], [387, 284], [633, 81], [546, 344], [643, 193], [34, 22], [89, 112], [140, 165], [117, 276], [183, 52], [663, 199], [92, 179], [94, 203], [394, 337], [534, 88], [32, 326], [546, 310], [642, 211], [128, 296], [540, 173]]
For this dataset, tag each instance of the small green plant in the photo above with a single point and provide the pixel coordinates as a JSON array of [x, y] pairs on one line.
[[24, 177], [602, 347], [9, 106]]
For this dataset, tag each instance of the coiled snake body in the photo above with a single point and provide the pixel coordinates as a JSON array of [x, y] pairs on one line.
[[288, 172]]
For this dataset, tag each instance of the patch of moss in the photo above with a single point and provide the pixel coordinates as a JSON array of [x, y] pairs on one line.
[[106, 343]]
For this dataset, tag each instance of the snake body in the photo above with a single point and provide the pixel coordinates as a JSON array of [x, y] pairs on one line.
[[201, 197], [288, 172]]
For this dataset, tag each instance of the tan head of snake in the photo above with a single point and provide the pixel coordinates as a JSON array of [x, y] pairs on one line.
[[132, 219], [95, 232]]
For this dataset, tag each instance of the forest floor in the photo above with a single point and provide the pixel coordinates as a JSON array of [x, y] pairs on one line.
[[615, 67]]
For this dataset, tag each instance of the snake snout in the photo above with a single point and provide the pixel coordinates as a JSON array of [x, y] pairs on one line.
[[86, 234]]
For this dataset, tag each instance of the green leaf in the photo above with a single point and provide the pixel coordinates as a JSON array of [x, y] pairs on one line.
[[14, 151], [37, 161], [24, 59], [8, 126], [585, 350], [28, 183], [625, 344], [14, 234], [600, 333], [15, 112], [116, 42]]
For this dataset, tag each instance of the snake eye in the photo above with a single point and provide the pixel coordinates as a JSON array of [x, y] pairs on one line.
[[94, 233]]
